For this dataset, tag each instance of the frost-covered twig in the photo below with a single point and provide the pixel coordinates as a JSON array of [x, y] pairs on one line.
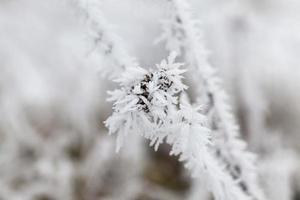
[[148, 104], [181, 33]]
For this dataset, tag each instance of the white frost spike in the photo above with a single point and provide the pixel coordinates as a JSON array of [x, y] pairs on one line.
[[144, 101]]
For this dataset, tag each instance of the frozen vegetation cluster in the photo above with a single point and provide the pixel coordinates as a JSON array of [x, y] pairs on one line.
[[149, 99]]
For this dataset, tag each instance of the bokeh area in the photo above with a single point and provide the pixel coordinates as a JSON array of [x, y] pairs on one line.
[[53, 98]]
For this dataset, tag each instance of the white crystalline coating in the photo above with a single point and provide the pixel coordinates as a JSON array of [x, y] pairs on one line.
[[141, 106], [150, 107]]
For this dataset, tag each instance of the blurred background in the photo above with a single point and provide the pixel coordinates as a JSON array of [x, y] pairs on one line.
[[53, 144]]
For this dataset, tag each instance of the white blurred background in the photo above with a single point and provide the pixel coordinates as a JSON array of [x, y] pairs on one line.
[[53, 144]]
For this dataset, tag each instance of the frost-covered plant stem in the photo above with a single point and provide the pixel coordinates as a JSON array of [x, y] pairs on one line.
[[182, 33], [148, 104]]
